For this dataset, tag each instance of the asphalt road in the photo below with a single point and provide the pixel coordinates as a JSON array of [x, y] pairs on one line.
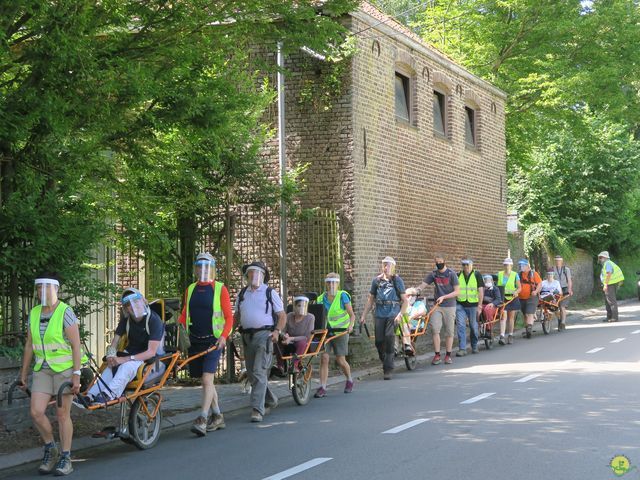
[[541, 408]]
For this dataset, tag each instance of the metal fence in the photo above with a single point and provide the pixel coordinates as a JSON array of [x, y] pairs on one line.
[[235, 236]]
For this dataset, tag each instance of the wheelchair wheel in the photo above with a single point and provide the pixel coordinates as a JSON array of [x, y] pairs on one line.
[[143, 432], [410, 362], [546, 323], [301, 389]]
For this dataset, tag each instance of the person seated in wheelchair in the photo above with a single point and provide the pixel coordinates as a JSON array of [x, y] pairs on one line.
[[144, 333], [296, 334], [414, 319], [492, 298], [550, 291]]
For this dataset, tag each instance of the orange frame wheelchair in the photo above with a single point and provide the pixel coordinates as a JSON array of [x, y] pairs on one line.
[[411, 361], [485, 326], [300, 375], [140, 404], [547, 310]]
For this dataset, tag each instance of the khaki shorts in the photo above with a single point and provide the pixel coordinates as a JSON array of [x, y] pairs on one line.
[[446, 315], [47, 381], [339, 346]]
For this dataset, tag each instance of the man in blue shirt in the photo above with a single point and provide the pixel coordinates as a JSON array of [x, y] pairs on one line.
[[388, 294]]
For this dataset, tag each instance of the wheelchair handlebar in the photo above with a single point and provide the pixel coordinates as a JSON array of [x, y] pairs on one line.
[[16, 384]]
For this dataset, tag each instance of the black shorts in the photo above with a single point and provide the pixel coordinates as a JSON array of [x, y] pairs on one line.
[[207, 363]]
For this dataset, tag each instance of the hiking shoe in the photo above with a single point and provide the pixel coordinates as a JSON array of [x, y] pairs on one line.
[[216, 422], [510, 339], [348, 387], [528, 331], [49, 460], [461, 353], [474, 350], [436, 359], [408, 351], [199, 426], [448, 360], [271, 405], [502, 341], [256, 416], [320, 393], [63, 467], [387, 376]]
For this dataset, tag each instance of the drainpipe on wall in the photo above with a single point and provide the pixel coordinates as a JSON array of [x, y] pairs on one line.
[[283, 172]]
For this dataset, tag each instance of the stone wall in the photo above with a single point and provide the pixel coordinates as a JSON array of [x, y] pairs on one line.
[[14, 417]]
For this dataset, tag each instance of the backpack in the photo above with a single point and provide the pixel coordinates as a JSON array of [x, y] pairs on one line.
[[395, 286], [268, 303]]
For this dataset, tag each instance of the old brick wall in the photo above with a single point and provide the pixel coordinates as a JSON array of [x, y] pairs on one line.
[[416, 191]]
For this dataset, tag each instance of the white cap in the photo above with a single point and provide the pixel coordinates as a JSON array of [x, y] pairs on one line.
[[604, 254], [507, 261], [300, 298], [389, 260]]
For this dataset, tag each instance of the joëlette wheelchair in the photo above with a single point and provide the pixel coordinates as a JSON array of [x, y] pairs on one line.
[[547, 309], [140, 404], [300, 375], [422, 323], [486, 325]]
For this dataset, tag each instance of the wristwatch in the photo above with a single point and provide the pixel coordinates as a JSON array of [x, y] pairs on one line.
[[77, 372], [132, 358]]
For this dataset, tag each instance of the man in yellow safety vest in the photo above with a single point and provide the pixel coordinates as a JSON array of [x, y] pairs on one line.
[[611, 277]]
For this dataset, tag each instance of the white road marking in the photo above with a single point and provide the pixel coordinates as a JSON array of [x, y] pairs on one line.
[[477, 398], [618, 340], [297, 469], [595, 350], [404, 426], [635, 332], [528, 377]]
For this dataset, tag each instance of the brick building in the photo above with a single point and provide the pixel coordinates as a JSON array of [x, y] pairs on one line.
[[408, 149]]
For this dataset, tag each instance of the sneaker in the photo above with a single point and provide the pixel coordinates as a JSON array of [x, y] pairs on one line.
[[63, 467], [256, 416], [387, 376], [348, 387], [436, 359], [82, 401], [448, 360], [49, 460], [474, 350], [528, 331], [563, 326], [320, 393], [461, 353], [502, 341], [216, 422], [510, 339], [199, 426], [271, 405]]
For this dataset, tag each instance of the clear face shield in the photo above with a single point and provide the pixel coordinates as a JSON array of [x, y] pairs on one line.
[[388, 268], [411, 298], [134, 306], [332, 284], [255, 277], [47, 291], [300, 305], [488, 281], [205, 271]]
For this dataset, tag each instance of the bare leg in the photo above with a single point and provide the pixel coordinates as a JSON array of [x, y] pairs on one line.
[[344, 366], [324, 369], [65, 425], [39, 402], [209, 393]]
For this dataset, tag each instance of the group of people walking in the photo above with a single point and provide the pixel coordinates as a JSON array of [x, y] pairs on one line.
[[53, 336]]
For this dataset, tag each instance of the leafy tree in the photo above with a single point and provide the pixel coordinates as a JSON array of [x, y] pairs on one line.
[[131, 112]]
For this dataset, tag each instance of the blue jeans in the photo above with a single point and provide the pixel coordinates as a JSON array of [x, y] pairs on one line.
[[462, 313]]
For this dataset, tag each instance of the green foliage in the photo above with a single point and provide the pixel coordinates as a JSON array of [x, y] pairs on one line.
[[573, 111], [629, 264], [14, 352], [142, 114]]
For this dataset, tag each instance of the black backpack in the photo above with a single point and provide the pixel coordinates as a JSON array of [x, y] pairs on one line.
[[395, 286], [268, 303]]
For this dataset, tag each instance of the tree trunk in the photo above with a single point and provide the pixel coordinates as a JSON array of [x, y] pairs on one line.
[[187, 229]]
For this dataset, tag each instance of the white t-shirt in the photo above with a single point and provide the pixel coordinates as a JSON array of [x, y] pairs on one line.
[[254, 303], [550, 287]]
